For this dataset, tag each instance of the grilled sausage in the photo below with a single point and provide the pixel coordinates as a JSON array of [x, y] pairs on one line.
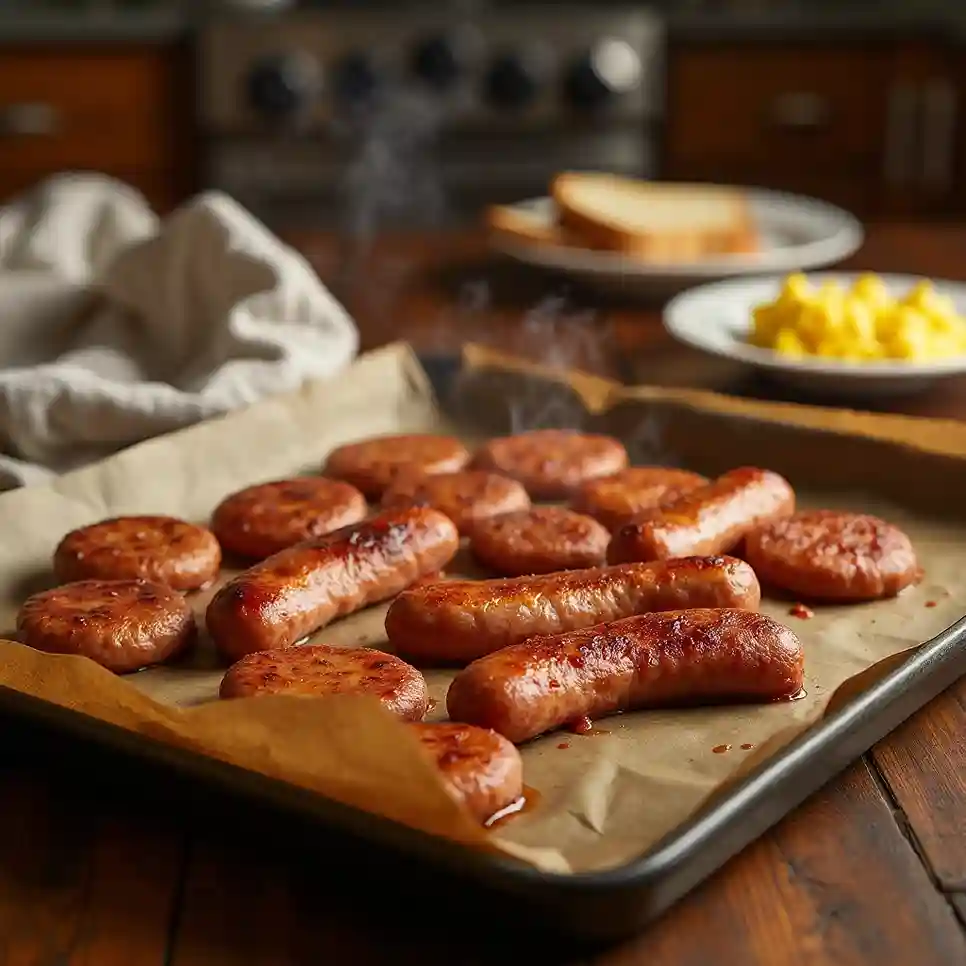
[[649, 661], [296, 592], [614, 500], [479, 768], [551, 463], [467, 497], [264, 519], [321, 669], [834, 555], [459, 621], [372, 464], [711, 519], [539, 541], [171, 551], [123, 625]]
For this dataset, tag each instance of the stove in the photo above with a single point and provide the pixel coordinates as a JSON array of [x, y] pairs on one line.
[[369, 118]]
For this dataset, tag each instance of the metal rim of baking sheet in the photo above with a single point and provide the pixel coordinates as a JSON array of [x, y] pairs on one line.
[[612, 903]]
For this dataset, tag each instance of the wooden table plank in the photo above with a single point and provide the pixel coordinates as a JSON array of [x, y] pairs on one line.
[[81, 880], [246, 904], [924, 764], [813, 891]]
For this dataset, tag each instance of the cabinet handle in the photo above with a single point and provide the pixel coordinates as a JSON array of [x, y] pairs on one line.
[[29, 119], [799, 110], [900, 140], [938, 134]]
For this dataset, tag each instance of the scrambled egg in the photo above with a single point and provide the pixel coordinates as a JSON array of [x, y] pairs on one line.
[[859, 324]]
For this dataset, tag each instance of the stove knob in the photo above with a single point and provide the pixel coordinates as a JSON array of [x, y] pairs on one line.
[[438, 62], [279, 87], [610, 68], [355, 80], [512, 82]]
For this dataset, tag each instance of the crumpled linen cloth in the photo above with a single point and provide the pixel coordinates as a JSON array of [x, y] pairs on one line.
[[116, 326]]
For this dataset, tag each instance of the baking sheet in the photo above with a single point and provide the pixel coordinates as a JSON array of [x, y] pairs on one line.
[[601, 799]]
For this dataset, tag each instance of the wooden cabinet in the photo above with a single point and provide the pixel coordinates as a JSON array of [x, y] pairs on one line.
[[871, 126], [123, 111]]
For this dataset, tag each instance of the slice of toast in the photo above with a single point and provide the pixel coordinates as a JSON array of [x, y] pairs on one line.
[[521, 225], [653, 220]]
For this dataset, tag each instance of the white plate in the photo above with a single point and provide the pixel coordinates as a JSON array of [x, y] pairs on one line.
[[797, 233], [716, 319]]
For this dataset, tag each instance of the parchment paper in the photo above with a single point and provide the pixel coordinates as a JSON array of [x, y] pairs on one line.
[[603, 798]]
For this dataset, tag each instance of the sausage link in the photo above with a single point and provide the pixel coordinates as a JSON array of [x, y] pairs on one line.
[[301, 589], [652, 660], [709, 520], [459, 621]]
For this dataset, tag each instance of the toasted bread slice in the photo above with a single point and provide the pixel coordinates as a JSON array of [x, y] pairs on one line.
[[521, 225], [656, 221]]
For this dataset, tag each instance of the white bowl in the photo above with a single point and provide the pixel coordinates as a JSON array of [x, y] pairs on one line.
[[797, 233], [717, 319]]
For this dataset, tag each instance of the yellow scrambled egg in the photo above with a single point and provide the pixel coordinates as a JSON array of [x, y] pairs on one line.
[[859, 324]]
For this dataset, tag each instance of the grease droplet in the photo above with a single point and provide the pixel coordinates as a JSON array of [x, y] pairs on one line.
[[721, 749], [746, 746], [563, 745], [931, 603], [802, 612]]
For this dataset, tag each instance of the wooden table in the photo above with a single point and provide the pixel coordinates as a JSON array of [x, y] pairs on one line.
[[103, 866]]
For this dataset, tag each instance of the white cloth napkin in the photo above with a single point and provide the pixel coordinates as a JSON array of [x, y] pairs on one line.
[[115, 326]]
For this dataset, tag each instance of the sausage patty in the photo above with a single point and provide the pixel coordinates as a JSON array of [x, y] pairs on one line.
[[372, 464], [461, 620], [539, 541], [613, 500], [180, 554], [261, 520], [648, 661], [300, 590], [833, 555], [480, 768], [320, 669], [123, 625], [708, 520], [552, 463], [466, 497]]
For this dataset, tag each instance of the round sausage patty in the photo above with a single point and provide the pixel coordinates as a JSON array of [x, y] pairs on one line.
[[539, 541], [614, 500], [465, 497], [371, 465], [123, 625], [264, 519], [180, 554], [833, 555], [319, 669], [552, 463], [479, 767]]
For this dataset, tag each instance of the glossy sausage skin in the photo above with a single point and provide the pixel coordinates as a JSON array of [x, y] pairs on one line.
[[459, 621], [649, 661], [301, 589], [709, 520]]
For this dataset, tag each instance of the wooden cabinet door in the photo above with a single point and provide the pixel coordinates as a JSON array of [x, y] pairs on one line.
[[118, 110]]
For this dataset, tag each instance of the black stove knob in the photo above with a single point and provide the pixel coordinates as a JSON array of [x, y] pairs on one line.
[[438, 62], [512, 83], [281, 86], [355, 80], [609, 69]]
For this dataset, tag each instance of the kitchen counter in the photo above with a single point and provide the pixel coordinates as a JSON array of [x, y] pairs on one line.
[[122, 866]]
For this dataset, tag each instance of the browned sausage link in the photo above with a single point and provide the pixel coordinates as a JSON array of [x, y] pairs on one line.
[[297, 591], [652, 660], [711, 519], [459, 621]]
